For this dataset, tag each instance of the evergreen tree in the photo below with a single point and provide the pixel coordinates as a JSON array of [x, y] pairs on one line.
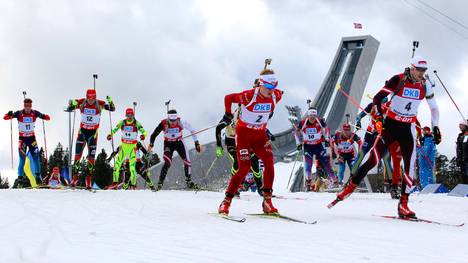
[[102, 170], [4, 183]]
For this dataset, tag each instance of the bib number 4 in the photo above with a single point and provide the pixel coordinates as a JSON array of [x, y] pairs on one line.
[[408, 106]]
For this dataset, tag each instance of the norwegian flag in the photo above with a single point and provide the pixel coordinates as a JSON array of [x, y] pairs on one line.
[[357, 25]]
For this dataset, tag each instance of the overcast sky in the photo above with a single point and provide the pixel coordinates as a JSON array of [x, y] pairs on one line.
[[195, 52]]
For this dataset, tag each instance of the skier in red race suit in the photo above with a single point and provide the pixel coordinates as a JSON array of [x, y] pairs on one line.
[[406, 91], [90, 108], [257, 106]]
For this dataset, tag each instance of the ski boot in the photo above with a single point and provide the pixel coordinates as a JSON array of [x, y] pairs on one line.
[[225, 205], [125, 186], [132, 187], [394, 192], [113, 186], [308, 185], [190, 184], [88, 182], [347, 191], [151, 186], [38, 180], [267, 205], [403, 210], [74, 181]]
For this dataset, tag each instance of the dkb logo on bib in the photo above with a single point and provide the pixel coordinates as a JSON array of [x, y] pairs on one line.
[[411, 93], [262, 107], [27, 119], [90, 111], [128, 128]]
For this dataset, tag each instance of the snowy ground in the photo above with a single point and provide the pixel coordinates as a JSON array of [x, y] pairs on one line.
[[174, 226]]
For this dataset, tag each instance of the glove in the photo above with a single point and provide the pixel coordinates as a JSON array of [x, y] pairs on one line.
[[227, 118], [270, 135], [334, 155], [142, 137], [437, 135], [299, 147], [197, 146], [72, 103], [340, 159], [109, 137], [150, 147], [327, 143], [378, 124], [219, 151], [10, 113], [8, 116], [109, 99], [46, 117], [358, 124]]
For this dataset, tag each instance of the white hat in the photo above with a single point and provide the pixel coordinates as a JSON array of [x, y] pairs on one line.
[[312, 112], [419, 62]]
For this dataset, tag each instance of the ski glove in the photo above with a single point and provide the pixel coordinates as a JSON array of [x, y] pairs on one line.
[[109, 137], [8, 116], [379, 124], [109, 99], [299, 147], [72, 103], [219, 151], [437, 135], [227, 118], [333, 155], [270, 135], [142, 137], [197, 146], [358, 124], [327, 143], [46, 117]]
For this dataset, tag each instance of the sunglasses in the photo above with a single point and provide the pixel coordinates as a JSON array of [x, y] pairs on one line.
[[421, 69]]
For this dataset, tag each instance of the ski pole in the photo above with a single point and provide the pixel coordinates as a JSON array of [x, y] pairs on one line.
[[95, 76], [200, 131], [415, 45], [167, 104], [294, 166], [448, 93], [45, 144], [211, 166], [11, 141], [112, 137]]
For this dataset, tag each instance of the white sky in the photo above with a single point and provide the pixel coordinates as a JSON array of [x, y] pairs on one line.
[[194, 52]]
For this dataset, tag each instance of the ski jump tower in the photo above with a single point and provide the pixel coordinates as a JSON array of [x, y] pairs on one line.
[[350, 68]]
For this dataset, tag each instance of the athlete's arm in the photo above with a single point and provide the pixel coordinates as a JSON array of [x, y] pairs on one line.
[[140, 128], [229, 99], [219, 128], [390, 86], [189, 127], [155, 133], [431, 101], [42, 116], [118, 127]]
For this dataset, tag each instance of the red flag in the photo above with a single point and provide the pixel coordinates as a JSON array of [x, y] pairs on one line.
[[357, 25]]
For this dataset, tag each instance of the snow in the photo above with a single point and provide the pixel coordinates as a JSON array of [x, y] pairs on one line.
[[174, 226]]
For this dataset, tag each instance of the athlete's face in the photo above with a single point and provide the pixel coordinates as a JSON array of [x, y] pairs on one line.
[[417, 73], [462, 127], [347, 133], [312, 119], [172, 123], [91, 101], [266, 92], [27, 107], [129, 117]]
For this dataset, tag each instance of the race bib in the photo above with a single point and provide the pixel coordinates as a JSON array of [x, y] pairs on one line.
[[27, 125]]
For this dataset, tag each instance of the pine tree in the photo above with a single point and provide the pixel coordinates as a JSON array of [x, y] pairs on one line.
[[102, 170], [4, 183]]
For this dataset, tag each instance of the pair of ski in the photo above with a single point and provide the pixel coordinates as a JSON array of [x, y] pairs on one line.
[[278, 216], [420, 220]]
